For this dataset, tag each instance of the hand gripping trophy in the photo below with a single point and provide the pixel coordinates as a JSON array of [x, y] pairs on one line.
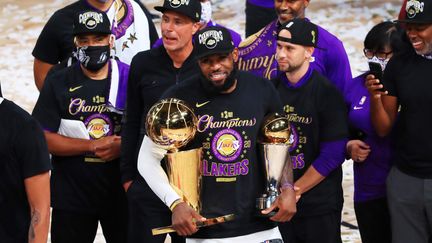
[[275, 159], [171, 124]]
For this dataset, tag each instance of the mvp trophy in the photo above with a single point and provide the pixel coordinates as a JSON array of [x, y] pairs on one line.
[[171, 124], [275, 158]]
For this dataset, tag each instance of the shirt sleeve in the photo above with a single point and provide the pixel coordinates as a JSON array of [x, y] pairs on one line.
[[31, 149], [47, 48], [389, 78], [338, 66], [331, 156], [132, 125], [47, 110]]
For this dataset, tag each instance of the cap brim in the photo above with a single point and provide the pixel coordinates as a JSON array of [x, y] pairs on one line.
[[413, 21], [91, 32], [212, 52], [160, 9]]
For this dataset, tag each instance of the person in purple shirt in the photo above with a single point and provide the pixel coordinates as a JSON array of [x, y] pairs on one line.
[[319, 132], [258, 14], [257, 52], [206, 21], [371, 154]]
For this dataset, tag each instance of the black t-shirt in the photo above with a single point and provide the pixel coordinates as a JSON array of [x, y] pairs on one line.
[[151, 73], [81, 183], [23, 153], [317, 113], [408, 78], [228, 126], [55, 42]]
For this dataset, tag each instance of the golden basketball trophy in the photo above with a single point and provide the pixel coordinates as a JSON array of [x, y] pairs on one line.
[[275, 158], [171, 124]]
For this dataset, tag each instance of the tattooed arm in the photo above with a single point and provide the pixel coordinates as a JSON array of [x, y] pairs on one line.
[[38, 194]]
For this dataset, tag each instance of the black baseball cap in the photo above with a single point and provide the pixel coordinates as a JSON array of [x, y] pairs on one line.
[[303, 32], [418, 12], [212, 40], [190, 8], [91, 22]]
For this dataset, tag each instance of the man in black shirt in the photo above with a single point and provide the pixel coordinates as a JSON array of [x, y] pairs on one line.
[[405, 109], [317, 114], [80, 111], [132, 27], [152, 72], [24, 177], [230, 112]]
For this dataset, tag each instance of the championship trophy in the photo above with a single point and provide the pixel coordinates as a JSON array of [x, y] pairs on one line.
[[275, 158], [171, 124]]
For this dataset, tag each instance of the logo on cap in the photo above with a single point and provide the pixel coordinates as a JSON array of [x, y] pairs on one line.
[[90, 19], [313, 36], [413, 7], [210, 38], [178, 3]]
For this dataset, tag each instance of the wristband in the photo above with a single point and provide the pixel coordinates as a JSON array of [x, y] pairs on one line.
[[175, 203], [286, 185]]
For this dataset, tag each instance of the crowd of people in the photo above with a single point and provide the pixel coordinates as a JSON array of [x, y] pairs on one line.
[[100, 66]]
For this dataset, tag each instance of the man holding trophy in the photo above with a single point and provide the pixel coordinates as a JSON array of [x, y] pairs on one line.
[[229, 112], [317, 114]]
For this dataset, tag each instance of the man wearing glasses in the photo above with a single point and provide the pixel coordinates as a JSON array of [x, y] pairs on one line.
[[407, 83]]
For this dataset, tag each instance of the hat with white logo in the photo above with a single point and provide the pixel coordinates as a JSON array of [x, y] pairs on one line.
[[302, 31], [190, 8], [418, 12], [212, 40], [91, 22]]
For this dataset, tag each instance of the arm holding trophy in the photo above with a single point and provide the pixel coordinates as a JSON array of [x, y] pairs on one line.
[[149, 166], [170, 125], [331, 156]]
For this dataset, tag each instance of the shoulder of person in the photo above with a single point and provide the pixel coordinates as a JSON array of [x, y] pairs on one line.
[[327, 39], [251, 78], [252, 38], [71, 9], [62, 76], [150, 55], [18, 116]]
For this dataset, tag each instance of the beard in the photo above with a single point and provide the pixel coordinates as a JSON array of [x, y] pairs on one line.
[[211, 88]]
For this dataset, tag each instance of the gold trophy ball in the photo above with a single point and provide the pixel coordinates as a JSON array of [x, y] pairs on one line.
[[276, 129], [171, 123]]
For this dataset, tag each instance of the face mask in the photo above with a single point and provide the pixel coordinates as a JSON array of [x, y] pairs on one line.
[[383, 63], [93, 57], [206, 12]]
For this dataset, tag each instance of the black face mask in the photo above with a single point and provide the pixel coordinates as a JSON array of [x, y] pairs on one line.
[[210, 88], [93, 57]]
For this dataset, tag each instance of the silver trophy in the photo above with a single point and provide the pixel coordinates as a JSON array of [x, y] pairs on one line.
[[275, 158]]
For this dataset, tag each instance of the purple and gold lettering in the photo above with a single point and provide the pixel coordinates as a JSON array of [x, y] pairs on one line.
[[205, 122]]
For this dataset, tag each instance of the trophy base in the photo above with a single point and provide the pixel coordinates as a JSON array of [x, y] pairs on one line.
[[269, 215], [207, 222], [263, 203]]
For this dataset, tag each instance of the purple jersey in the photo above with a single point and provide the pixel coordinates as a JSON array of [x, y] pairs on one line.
[[257, 54], [262, 3], [370, 175], [234, 35]]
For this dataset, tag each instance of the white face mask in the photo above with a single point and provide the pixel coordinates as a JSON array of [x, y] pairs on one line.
[[206, 12], [383, 63]]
